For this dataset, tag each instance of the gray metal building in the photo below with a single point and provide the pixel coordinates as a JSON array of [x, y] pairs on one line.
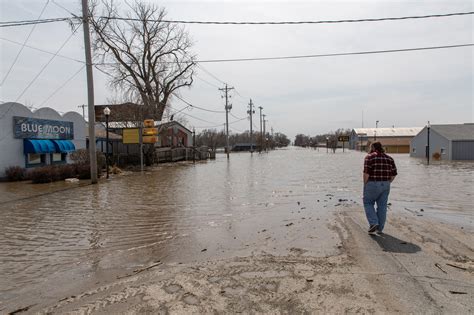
[[447, 142]]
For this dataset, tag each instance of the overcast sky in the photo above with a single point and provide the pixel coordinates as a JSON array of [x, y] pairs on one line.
[[307, 96]]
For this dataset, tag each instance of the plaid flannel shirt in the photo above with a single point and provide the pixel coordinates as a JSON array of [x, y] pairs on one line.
[[379, 166]]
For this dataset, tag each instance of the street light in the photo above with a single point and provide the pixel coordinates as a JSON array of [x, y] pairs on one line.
[[107, 113], [428, 127], [376, 124]]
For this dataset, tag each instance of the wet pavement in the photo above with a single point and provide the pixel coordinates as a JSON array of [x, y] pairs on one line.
[[183, 212]]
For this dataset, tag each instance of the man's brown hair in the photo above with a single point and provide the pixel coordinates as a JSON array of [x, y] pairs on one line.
[[377, 146]]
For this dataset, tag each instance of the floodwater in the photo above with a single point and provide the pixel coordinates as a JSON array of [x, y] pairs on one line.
[[183, 212]]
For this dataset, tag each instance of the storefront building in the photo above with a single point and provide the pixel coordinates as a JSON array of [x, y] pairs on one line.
[[43, 137]]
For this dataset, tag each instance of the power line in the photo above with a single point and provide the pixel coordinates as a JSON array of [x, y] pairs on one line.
[[201, 108], [35, 22], [63, 85], [334, 54], [203, 120], [65, 9], [38, 21], [209, 83], [212, 75], [298, 22], [41, 50], [23, 45], [369, 52], [47, 64]]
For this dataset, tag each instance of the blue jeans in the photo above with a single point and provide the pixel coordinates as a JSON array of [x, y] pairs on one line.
[[376, 192]]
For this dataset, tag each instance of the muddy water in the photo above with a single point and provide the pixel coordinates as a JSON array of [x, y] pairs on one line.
[[182, 212]]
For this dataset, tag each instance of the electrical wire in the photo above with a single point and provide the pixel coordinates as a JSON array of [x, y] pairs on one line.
[[65, 9], [370, 52], [35, 22], [201, 108], [47, 64], [63, 85], [209, 83], [237, 117], [298, 22], [38, 21], [41, 50], [203, 120], [23, 45]]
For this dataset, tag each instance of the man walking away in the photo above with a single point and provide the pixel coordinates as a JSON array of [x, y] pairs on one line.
[[379, 172]]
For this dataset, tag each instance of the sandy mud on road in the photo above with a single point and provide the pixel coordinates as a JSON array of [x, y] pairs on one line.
[[408, 270]]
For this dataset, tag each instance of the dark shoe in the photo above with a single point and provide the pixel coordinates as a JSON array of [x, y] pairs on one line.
[[379, 232], [373, 229]]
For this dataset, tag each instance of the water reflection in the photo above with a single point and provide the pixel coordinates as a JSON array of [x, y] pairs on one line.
[[175, 209]]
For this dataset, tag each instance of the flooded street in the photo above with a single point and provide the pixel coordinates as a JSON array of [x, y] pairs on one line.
[[183, 212]]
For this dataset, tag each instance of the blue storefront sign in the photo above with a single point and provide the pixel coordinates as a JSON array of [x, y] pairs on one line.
[[34, 128]]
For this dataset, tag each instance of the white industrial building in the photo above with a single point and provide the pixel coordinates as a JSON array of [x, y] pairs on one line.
[[394, 140], [35, 138], [446, 142]]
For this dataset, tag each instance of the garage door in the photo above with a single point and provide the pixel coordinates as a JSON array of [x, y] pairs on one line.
[[463, 150]]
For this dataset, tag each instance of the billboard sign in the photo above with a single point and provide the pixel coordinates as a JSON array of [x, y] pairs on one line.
[[131, 135]]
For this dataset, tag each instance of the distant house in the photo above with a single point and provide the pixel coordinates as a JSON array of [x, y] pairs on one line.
[[447, 142], [394, 140], [174, 134]]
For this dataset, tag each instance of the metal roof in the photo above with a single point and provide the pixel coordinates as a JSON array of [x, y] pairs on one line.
[[388, 132], [455, 132]]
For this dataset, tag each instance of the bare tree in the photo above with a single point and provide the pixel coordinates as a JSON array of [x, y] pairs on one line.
[[146, 57]]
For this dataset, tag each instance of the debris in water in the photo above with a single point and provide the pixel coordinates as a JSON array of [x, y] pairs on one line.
[[298, 203], [203, 250], [422, 210], [457, 292], [302, 208], [289, 224], [455, 266], [439, 267]]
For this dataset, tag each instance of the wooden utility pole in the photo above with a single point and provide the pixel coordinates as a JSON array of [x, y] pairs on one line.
[[90, 92], [251, 112], [228, 107], [264, 132], [83, 110], [261, 142]]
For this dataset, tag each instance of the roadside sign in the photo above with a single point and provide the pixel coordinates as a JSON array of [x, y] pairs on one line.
[[150, 139], [343, 138], [150, 131], [131, 135]]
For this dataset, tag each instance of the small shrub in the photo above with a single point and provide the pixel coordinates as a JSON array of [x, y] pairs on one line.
[[15, 173], [80, 156], [44, 174], [83, 171], [66, 171]]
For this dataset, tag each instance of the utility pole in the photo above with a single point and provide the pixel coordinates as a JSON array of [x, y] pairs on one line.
[[261, 142], [194, 146], [90, 92], [251, 112], [264, 132], [83, 110], [228, 107]]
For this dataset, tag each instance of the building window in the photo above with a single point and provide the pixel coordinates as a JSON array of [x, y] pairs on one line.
[[58, 157], [34, 159], [443, 151]]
